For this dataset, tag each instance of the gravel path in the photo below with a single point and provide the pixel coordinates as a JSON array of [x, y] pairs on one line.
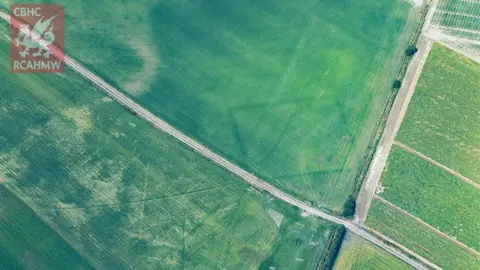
[[224, 163]]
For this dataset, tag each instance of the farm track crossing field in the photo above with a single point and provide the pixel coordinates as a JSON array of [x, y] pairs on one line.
[[433, 195], [419, 238], [288, 90], [442, 118], [357, 254], [127, 196]]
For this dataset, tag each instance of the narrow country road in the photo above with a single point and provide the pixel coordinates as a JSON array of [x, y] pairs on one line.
[[219, 160], [394, 120]]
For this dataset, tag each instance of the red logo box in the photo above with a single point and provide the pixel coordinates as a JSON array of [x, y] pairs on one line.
[[37, 37]]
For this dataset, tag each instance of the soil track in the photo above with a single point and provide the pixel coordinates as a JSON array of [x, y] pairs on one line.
[[399, 108], [224, 163], [459, 45], [395, 118]]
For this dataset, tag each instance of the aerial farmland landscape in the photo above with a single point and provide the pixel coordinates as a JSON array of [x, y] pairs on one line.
[[253, 134], [431, 177]]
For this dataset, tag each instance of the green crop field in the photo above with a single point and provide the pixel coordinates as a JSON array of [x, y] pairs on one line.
[[420, 239], [125, 195], [289, 90], [358, 254], [442, 118], [433, 195], [441, 123], [301, 240], [459, 18], [28, 243]]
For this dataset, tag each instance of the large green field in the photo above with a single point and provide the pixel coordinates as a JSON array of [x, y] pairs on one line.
[[442, 118], [358, 254], [125, 195], [433, 195], [419, 238], [290, 90]]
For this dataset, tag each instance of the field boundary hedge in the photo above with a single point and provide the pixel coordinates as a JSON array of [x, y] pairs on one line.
[[332, 249]]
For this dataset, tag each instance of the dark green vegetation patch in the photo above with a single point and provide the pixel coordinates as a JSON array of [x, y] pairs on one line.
[[26, 242]]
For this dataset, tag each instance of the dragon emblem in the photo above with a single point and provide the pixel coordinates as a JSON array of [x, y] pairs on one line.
[[30, 39]]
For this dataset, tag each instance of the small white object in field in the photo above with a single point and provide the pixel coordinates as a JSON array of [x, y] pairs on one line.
[[417, 3]]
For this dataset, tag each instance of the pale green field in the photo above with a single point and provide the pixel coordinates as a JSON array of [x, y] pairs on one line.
[[26, 242], [441, 123], [358, 254], [442, 118], [125, 195], [420, 239], [433, 195], [288, 90]]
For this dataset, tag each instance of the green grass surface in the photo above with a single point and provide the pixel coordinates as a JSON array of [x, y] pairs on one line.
[[26, 242], [419, 239], [442, 118], [433, 195], [289, 90], [126, 195], [358, 254], [301, 241]]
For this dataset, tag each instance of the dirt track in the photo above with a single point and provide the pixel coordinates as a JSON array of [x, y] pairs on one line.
[[220, 161], [395, 118], [428, 36]]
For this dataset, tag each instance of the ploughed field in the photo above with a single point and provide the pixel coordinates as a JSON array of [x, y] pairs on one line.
[[432, 172], [84, 183], [291, 91]]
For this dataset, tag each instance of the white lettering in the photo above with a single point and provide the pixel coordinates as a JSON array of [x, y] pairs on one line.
[[56, 65], [21, 11], [36, 65]]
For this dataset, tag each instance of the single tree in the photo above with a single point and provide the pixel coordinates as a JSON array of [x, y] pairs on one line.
[[349, 207], [397, 84], [411, 50]]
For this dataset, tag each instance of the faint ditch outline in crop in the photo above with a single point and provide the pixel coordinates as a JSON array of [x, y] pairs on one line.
[[144, 200]]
